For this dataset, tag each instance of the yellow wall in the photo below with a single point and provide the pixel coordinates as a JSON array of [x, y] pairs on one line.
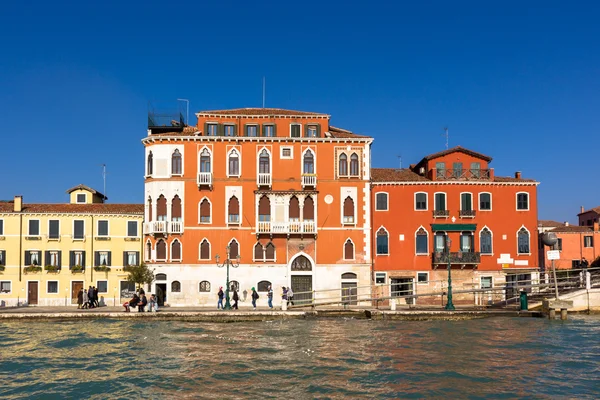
[[89, 197]]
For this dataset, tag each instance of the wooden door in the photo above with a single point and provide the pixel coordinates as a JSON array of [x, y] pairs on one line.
[[32, 293], [76, 286]]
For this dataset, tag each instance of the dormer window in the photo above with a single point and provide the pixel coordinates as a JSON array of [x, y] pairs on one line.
[[211, 129], [230, 130], [311, 131], [81, 198], [251, 130], [295, 130]]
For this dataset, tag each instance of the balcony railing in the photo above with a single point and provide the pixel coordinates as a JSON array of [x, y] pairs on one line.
[[467, 213], [462, 174], [459, 257], [309, 180], [154, 227], [290, 227], [205, 179], [175, 227], [441, 213], [263, 179]]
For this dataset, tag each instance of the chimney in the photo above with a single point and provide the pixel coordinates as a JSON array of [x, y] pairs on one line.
[[582, 210], [18, 204], [596, 227], [566, 223], [518, 175]]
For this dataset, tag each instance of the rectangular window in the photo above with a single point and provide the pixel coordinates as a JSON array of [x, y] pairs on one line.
[[295, 130], [132, 228], [102, 286], [588, 241], [5, 286], [211, 129], [132, 258], [421, 244], [311, 131], [557, 245], [102, 228], [440, 169], [457, 170], [2, 257], [1, 227], [422, 277], [380, 277], [466, 241], [575, 264], [476, 169], [421, 201], [440, 201], [78, 258], [81, 198], [127, 289], [229, 130], [485, 240], [234, 218], [252, 130], [78, 231], [103, 258], [522, 201], [54, 259], [268, 130], [466, 203], [52, 286], [440, 242], [486, 282], [34, 227], [34, 258], [485, 201], [286, 153], [54, 229], [381, 202]]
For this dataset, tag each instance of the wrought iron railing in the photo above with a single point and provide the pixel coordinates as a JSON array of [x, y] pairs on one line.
[[440, 213], [467, 213], [459, 257], [462, 174]]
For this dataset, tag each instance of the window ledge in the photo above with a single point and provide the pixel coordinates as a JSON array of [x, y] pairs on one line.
[[102, 238], [422, 254], [383, 254], [132, 239], [33, 237]]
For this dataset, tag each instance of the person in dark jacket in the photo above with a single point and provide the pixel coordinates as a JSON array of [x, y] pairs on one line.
[[131, 303], [96, 298], [80, 299], [235, 299], [221, 296], [254, 298], [91, 297], [142, 303]]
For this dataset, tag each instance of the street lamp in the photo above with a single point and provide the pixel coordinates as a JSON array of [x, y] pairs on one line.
[[228, 262], [449, 305], [550, 239]]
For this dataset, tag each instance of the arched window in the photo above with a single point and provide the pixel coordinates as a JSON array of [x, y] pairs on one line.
[[176, 166], [294, 209], [205, 160], [263, 286], [343, 165], [259, 254], [349, 275], [301, 263], [176, 209], [382, 241], [234, 285], [233, 210], [161, 250], [175, 287], [264, 209], [148, 251], [354, 164], [264, 164], [204, 286], [270, 252], [234, 249], [348, 250], [204, 211], [523, 240], [149, 209], [308, 211], [161, 208], [149, 167], [176, 250], [161, 277], [309, 163], [485, 241], [421, 242], [234, 163], [205, 250], [348, 210]]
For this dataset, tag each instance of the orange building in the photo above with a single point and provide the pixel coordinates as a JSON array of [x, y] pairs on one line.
[[450, 206], [283, 190]]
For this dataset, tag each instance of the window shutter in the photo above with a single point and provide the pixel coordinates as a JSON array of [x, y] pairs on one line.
[[234, 206], [96, 258], [206, 129], [125, 259], [235, 130], [161, 207], [294, 210], [137, 258], [220, 130], [205, 208], [27, 258], [274, 130], [71, 259], [176, 207], [233, 249], [305, 130], [245, 130], [176, 250], [47, 257], [258, 252], [109, 262], [264, 206], [319, 130], [348, 207], [204, 250], [270, 251], [348, 251], [309, 209], [59, 259], [83, 258]]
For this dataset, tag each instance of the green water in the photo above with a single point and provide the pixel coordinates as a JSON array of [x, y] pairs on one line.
[[487, 358]]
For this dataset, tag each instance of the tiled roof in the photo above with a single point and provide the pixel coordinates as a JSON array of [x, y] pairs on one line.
[[260, 111], [459, 149], [395, 175], [67, 208], [572, 229], [511, 179], [343, 133], [549, 223], [595, 209], [89, 189]]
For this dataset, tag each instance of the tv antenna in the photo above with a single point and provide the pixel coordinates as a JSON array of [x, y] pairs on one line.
[[187, 111], [446, 134], [400, 159], [104, 178], [264, 92]]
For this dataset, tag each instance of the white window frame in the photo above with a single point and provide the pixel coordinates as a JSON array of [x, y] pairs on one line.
[[384, 274], [98, 285], [517, 202], [314, 153], [265, 252], [427, 232], [517, 235], [254, 255], [180, 250], [461, 201], [260, 150], [426, 201], [387, 201], [73, 230], [308, 127], [227, 221], [53, 258], [417, 278], [182, 163], [49, 238], [129, 253], [100, 253], [57, 287], [84, 197], [39, 227], [290, 134], [353, 250], [9, 287], [212, 159], [210, 216], [481, 277], [239, 156], [591, 241], [107, 228], [445, 201], [167, 248], [239, 246], [492, 243], [479, 202], [354, 216], [209, 250], [388, 245], [291, 156]]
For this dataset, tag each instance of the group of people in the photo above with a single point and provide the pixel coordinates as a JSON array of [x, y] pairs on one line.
[[287, 296], [141, 301], [88, 298]]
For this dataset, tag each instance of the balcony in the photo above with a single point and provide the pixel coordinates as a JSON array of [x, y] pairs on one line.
[[175, 227], [441, 213], [155, 227], [309, 180], [287, 228], [459, 257], [263, 179], [467, 213], [462, 174], [205, 179]]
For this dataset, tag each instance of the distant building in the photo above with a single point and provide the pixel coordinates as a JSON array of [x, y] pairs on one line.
[[588, 217], [578, 245], [491, 222], [48, 252], [545, 226]]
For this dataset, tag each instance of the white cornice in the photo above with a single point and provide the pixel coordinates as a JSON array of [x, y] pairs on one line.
[[154, 139], [475, 183]]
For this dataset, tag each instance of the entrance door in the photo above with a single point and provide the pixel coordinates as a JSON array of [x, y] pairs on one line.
[[349, 293], [161, 293], [302, 283], [76, 286], [402, 287], [32, 293]]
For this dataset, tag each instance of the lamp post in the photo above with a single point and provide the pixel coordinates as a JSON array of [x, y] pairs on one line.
[[550, 239], [228, 262], [449, 304]]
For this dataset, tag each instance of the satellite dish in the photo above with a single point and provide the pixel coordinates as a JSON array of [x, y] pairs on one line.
[[549, 238]]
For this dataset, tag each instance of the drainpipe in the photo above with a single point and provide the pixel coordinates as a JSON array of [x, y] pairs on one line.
[[20, 245], [93, 259]]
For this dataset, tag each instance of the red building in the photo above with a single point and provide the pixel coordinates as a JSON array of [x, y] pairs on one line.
[[450, 207]]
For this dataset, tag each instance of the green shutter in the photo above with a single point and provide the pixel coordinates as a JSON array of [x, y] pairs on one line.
[[245, 133], [109, 260], [71, 259], [220, 130], [206, 129], [235, 130], [305, 130], [47, 257], [274, 130], [319, 130], [124, 258], [27, 258]]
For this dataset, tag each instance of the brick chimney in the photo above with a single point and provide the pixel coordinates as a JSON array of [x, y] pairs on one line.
[[18, 204], [566, 223], [596, 227], [582, 210], [518, 175]]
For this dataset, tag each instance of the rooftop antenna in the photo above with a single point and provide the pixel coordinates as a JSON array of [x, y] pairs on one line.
[[446, 134], [104, 178], [400, 158], [264, 92], [187, 111]]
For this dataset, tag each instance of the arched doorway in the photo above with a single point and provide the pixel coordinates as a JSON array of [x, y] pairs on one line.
[[301, 268]]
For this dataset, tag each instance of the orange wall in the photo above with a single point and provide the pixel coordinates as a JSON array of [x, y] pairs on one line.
[[573, 248]]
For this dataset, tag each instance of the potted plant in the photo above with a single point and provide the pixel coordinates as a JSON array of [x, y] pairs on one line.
[[76, 268], [2, 268], [32, 268], [51, 268], [101, 268]]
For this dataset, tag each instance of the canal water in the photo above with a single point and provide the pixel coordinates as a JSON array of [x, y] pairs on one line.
[[301, 359]]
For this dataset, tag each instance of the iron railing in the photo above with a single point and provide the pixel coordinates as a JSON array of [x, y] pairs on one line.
[[459, 257], [462, 174], [467, 213], [440, 213]]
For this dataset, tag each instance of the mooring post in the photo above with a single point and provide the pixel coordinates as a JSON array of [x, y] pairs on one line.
[[563, 314], [552, 313]]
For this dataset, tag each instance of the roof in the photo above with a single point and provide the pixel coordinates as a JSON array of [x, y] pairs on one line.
[[595, 209], [454, 150], [66, 208], [549, 223], [89, 189], [395, 175], [572, 229], [511, 179], [267, 112], [344, 133]]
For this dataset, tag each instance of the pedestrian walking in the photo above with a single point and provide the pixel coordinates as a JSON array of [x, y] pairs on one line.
[[290, 296], [221, 296], [91, 297], [86, 299], [254, 298], [270, 297], [80, 299], [96, 303], [235, 299], [284, 295]]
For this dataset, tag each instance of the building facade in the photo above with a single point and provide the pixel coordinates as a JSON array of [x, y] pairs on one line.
[[283, 190], [48, 252], [451, 208], [578, 246]]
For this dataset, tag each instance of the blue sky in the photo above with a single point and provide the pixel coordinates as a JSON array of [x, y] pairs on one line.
[[519, 81]]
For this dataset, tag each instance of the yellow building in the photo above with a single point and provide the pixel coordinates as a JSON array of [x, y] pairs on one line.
[[48, 252]]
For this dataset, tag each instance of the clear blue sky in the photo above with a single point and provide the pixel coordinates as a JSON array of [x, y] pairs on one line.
[[519, 81]]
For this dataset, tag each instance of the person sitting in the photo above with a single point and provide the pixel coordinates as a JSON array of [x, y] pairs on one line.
[[131, 303], [153, 303], [143, 302]]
